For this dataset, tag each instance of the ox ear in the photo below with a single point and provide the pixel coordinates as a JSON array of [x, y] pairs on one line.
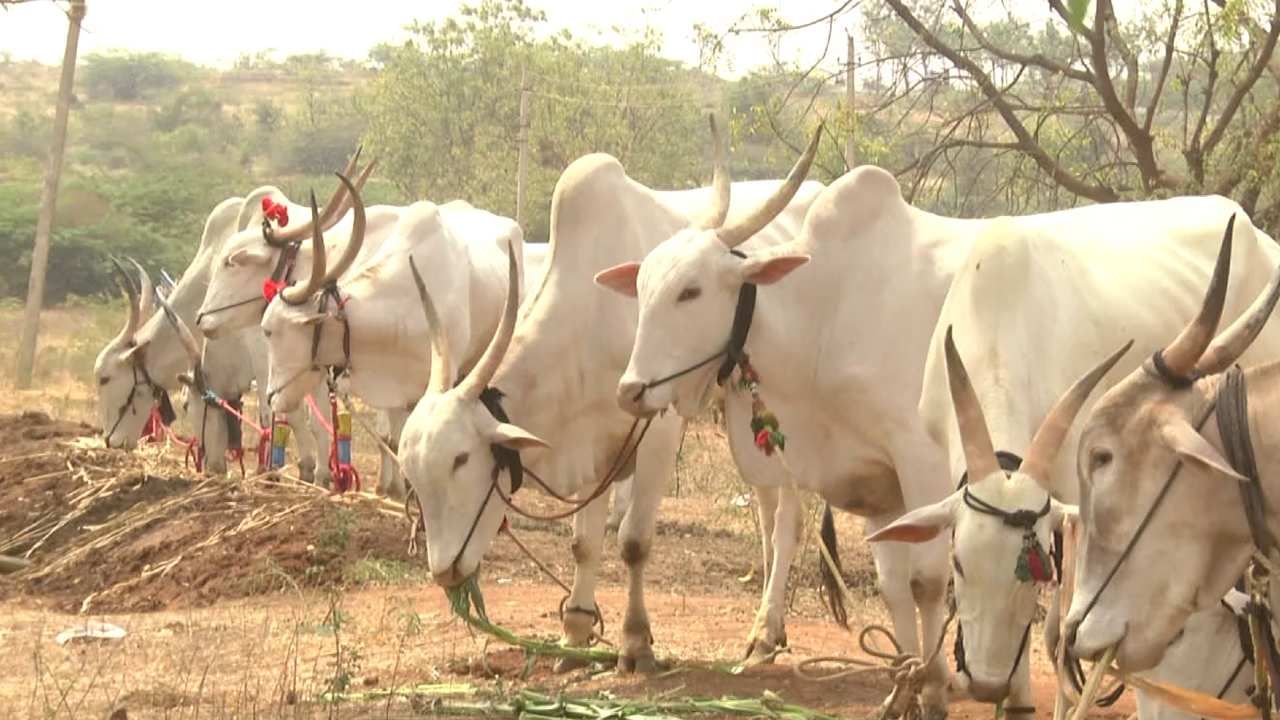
[[515, 437], [1192, 448], [620, 278], [770, 269], [249, 256], [920, 525]]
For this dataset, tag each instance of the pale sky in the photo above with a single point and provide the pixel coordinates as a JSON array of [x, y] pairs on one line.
[[219, 31]]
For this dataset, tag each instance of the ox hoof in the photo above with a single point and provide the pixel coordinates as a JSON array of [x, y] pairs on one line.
[[565, 664], [641, 662]]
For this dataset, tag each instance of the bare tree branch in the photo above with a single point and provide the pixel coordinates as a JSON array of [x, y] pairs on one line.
[[1037, 59], [1028, 144], [1242, 89], [1169, 41]]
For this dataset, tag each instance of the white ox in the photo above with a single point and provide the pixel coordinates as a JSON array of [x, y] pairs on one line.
[[838, 349], [557, 381], [235, 299], [387, 362], [1039, 299], [1156, 434], [147, 357]]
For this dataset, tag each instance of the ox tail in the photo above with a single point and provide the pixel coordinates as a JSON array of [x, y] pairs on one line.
[[831, 591]]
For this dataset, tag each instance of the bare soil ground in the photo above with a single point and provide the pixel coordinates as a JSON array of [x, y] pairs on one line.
[[254, 597]]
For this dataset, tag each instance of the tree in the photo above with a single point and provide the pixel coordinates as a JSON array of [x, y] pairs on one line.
[[444, 109], [1168, 104]]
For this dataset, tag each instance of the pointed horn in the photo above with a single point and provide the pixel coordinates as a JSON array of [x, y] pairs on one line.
[[333, 210], [979, 453], [355, 242], [1055, 426], [134, 318], [482, 374], [1181, 356], [188, 340], [146, 293], [741, 231], [441, 373], [294, 294], [719, 208], [1232, 342]]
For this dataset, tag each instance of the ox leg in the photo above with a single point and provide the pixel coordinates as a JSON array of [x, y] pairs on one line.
[[769, 632], [211, 431], [580, 609], [390, 481], [893, 572], [621, 501], [313, 456], [654, 467], [929, 590]]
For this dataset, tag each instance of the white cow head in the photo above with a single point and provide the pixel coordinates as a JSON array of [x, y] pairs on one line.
[[449, 445], [125, 393], [294, 320], [997, 521], [1142, 431], [688, 288], [236, 297]]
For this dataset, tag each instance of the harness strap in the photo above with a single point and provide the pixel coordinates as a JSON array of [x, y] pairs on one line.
[[282, 272]]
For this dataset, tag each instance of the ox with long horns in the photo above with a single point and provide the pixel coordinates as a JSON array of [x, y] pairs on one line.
[[1166, 529]]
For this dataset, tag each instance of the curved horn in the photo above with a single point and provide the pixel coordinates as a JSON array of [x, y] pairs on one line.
[[1232, 342], [296, 295], [482, 374], [134, 318], [441, 373], [189, 343], [979, 453], [333, 210], [719, 209], [1055, 426], [146, 293], [1181, 356], [356, 240], [741, 231]]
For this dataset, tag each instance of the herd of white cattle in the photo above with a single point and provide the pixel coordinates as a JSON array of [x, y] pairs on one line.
[[898, 349]]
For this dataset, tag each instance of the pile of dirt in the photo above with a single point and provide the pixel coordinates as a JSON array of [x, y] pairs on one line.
[[112, 531]]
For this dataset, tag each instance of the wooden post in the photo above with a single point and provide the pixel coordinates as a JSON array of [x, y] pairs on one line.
[[522, 169], [849, 91], [48, 200]]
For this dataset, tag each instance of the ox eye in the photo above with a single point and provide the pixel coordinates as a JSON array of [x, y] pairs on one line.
[[688, 294], [103, 381], [955, 563], [461, 460], [266, 333], [1099, 459]]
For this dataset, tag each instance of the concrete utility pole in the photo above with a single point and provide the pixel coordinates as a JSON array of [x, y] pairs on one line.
[[49, 199], [522, 169], [849, 93]]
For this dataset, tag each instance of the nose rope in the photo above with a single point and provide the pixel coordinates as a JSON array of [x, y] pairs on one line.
[[732, 353]]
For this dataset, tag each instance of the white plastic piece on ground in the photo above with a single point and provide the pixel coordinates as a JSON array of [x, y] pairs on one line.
[[91, 630]]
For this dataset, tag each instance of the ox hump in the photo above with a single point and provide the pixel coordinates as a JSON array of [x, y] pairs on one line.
[[855, 201], [252, 208]]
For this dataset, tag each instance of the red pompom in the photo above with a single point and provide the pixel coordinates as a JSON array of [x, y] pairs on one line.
[[266, 204], [282, 217], [270, 288]]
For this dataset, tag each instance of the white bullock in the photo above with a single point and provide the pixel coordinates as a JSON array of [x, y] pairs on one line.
[[375, 331], [1039, 299], [142, 364], [556, 367], [1167, 527], [838, 349], [250, 258]]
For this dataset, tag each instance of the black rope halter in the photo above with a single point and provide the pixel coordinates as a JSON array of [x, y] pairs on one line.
[[142, 379], [282, 272]]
